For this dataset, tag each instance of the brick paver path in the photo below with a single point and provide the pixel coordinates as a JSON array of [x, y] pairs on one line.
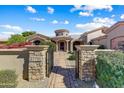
[[62, 75]]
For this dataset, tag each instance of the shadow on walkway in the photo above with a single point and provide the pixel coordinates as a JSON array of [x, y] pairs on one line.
[[69, 79], [69, 76]]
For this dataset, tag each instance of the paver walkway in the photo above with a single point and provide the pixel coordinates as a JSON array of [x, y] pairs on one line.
[[62, 75]]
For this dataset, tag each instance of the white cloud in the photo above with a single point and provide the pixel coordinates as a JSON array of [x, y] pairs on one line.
[[5, 35], [66, 22], [122, 16], [87, 26], [76, 7], [106, 20], [85, 14], [97, 22], [60, 22], [37, 19], [55, 22], [50, 10], [10, 27], [97, 7], [8, 33], [87, 10], [31, 9], [113, 16]]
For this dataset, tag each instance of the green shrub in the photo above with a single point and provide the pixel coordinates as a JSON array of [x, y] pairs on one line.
[[110, 70], [72, 56], [8, 79]]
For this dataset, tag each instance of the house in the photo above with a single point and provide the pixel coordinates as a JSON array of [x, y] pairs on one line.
[[102, 40], [113, 38], [64, 41], [88, 36]]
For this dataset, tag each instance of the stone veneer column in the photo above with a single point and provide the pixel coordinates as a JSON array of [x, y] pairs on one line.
[[86, 65], [56, 46], [67, 41], [37, 62], [71, 46]]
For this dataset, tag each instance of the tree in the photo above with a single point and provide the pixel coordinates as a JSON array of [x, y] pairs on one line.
[[28, 33], [16, 39]]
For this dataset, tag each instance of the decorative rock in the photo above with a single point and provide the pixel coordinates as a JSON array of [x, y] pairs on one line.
[[86, 62], [37, 56], [33, 77]]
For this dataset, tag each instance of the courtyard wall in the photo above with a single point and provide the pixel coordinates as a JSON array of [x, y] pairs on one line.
[[26, 60], [13, 59]]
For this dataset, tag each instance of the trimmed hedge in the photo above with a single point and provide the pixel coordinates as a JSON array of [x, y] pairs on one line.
[[8, 79], [110, 70]]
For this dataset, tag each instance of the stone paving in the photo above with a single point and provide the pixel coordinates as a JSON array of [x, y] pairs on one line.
[[62, 75]]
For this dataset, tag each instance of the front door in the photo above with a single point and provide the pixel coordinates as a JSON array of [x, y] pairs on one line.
[[61, 46]]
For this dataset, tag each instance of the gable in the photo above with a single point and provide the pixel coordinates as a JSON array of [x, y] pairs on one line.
[[37, 37], [118, 31], [113, 27]]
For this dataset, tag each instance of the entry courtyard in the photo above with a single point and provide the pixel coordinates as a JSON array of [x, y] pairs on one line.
[[62, 75]]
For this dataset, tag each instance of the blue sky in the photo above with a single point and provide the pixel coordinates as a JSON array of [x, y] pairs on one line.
[[45, 19]]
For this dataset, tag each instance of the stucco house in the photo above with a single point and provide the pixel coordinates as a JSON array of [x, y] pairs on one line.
[[87, 37], [113, 38], [102, 40], [62, 39]]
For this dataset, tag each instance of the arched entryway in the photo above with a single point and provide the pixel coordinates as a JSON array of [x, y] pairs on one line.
[[62, 46], [37, 42]]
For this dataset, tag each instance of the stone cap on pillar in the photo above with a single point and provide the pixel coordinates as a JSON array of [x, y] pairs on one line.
[[37, 47], [87, 47]]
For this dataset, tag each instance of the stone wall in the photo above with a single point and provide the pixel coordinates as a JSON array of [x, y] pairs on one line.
[[31, 63], [37, 62], [85, 67]]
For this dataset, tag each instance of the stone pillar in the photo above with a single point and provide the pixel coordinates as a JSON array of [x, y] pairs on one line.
[[71, 46], [56, 46], [67, 49], [86, 62], [37, 62]]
